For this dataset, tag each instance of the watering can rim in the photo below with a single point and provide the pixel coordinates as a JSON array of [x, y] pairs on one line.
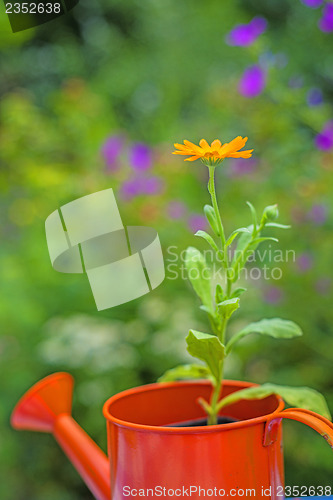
[[187, 430]]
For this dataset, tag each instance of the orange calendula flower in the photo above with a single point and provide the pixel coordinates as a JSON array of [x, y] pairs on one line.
[[215, 153]]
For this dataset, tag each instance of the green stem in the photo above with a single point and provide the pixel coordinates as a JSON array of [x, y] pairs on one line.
[[222, 331], [215, 404], [212, 418], [212, 192], [229, 287]]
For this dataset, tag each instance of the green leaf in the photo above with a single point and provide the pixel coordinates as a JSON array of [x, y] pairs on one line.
[[219, 295], [263, 238], [199, 275], [243, 251], [211, 218], [254, 217], [243, 241], [236, 233], [208, 238], [212, 316], [270, 213], [299, 397], [185, 372], [208, 311], [275, 224], [206, 406], [238, 292], [207, 348], [228, 307], [274, 327]]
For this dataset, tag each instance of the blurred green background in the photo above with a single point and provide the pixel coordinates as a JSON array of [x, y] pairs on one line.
[[95, 100]]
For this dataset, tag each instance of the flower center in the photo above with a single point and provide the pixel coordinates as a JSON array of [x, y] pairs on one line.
[[212, 154]]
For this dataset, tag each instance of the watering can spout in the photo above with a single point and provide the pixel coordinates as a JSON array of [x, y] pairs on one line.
[[46, 407]]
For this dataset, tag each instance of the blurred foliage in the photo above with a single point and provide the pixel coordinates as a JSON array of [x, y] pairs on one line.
[[155, 73]]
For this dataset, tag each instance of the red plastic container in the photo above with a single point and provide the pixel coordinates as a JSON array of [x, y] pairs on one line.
[[238, 459]]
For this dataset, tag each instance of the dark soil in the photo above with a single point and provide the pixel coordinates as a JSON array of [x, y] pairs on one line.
[[202, 422]]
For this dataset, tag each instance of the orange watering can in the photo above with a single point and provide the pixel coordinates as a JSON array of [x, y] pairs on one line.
[[150, 450]]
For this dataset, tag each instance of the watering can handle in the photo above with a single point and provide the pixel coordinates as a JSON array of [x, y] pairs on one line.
[[319, 423]]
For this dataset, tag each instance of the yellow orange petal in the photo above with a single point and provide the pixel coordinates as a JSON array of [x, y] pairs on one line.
[[241, 154], [189, 144], [233, 145], [204, 144], [194, 147], [180, 146], [216, 151], [193, 158], [183, 153], [216, 144]]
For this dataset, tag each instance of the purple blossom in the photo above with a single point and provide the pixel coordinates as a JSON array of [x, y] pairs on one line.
[[241, 166], [140, 185], [318, 214], [246, 34], [252, 82], [152, 185], [326, 22], [323, 285], [196, 222], [314, 97], [313, 4], [140, 156], [111, 150], [324, 140], [273, 295], [176, 209], [130, 189], [304, 262]]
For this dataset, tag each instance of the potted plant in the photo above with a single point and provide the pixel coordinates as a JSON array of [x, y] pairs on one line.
[[214, 348], [158, 440]]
